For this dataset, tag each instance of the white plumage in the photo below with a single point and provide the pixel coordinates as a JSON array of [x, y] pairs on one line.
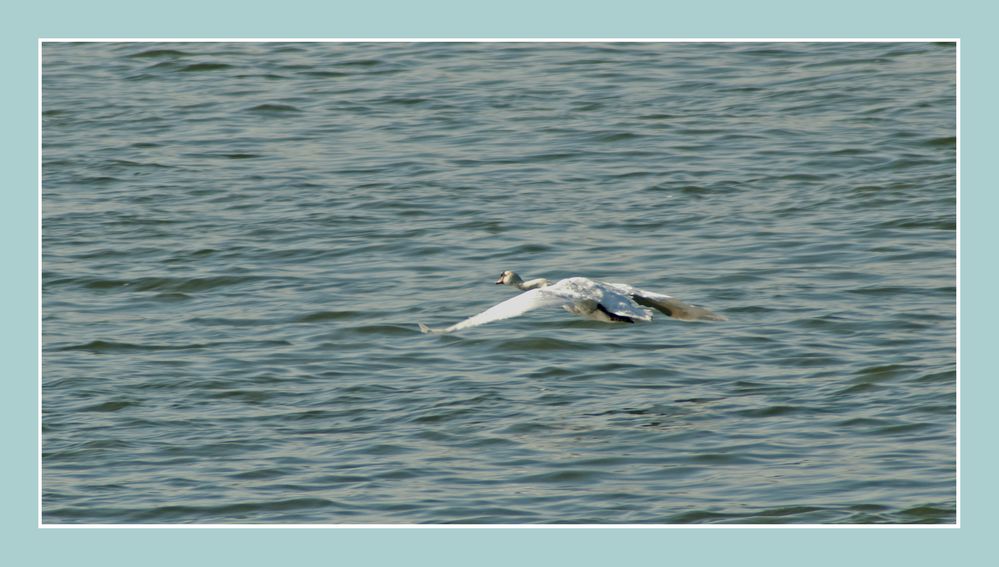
[[608, 302]]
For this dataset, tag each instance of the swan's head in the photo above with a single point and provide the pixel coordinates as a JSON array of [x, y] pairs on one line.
[[509, 278]]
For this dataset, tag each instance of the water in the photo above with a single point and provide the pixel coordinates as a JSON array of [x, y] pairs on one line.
[[240, 239]]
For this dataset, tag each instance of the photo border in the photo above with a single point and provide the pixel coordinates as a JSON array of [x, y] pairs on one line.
[[972, 22]]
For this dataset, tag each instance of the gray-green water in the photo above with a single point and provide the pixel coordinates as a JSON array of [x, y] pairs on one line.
[[239, 241]]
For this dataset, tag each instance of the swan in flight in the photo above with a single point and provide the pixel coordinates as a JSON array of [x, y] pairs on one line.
[[608, 302]]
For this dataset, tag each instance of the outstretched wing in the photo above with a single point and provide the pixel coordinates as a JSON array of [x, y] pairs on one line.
[[518, 305], [583, 291], [669, 305]]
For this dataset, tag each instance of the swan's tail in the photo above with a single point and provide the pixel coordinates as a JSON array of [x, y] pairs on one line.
[[677, 309]]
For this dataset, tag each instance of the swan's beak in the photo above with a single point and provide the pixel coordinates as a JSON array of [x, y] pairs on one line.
[[499, 281]]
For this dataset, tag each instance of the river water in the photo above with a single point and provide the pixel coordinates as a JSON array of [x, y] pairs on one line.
[[239, 240]]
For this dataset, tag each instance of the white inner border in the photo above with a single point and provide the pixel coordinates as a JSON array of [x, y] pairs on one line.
[[956, 41]]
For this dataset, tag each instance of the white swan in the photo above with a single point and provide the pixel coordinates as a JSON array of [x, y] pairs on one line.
[[608, 302]]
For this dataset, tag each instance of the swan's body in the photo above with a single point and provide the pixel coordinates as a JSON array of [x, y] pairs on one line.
[[608, 302]]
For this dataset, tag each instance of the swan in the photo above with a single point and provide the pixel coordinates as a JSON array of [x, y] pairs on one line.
[[600, 301]]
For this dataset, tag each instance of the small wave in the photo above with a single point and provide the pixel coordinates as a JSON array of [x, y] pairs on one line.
[[533, 248], [657, 117], [929, 514], [152, 70], [571, 476], [325, 74], [112, 347], [863, 387], [98, 180], [770, 411], [203, 67], [360, 63], [403, 101], [784, 512], [173, 513], [110, 406], [247, 396], [159, 53], [270, 108], [172, 296], [549, 156], [542, 344], [616, 137], [694, 190], [698, 516], [938, 224], [633, 174], [325, 316], [227, 321], [880, 290], [944, 142], [902, 428], [263, 474], [721, 459], [443, 416], [387, 329], [129, 164], [881, 373], [175, 285], [219, 155], [945, 377]]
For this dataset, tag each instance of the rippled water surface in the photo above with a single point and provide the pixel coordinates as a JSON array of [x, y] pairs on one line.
[[240, 239]]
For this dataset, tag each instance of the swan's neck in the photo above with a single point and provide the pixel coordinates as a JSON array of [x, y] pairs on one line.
[[533, 284]]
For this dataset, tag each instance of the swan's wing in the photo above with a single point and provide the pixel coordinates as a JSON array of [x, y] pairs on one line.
[[623, 304], [613, 300], [518, 305], [669, 305]]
